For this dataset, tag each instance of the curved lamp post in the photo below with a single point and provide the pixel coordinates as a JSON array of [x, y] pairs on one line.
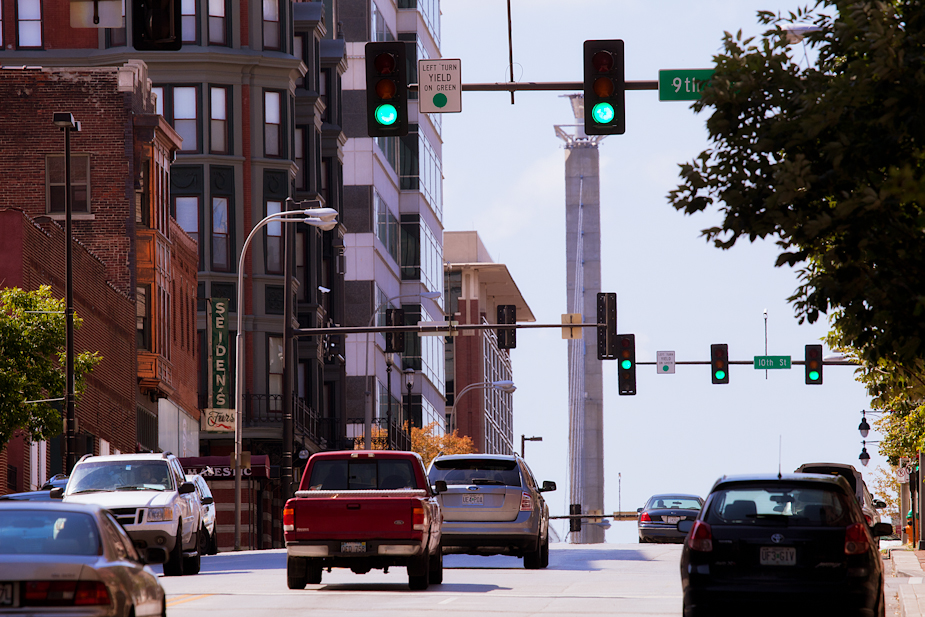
[[505, 385], [326, 220], [368, 420]]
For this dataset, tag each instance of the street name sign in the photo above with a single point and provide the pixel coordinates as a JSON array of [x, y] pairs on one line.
[[682, 84], [767, 362], [439, 86], [665, 362]]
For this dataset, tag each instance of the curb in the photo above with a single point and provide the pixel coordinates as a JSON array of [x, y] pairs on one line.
[[911, 596]]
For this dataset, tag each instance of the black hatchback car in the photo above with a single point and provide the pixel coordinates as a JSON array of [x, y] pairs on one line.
[[796, 544]]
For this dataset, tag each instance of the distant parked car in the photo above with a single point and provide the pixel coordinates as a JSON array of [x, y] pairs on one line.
[[493, 506], [658, 519], [869, 505], [208, 543], [43, 494], [74, 559], [795, 544]]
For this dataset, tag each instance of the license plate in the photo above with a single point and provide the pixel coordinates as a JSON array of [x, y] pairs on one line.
[[8, 594], [473, 500], [672, 520], [353, 547], [778, 556]]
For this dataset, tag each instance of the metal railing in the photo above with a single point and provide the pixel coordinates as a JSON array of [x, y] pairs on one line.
[[399, 438]]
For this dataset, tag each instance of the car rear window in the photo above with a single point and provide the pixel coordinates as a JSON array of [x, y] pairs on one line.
[[38, 532], [794, 505], [671, 501], [502, 472], [348, 475]]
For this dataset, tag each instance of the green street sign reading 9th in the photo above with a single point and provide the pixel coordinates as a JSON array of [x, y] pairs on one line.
[[682, 84], [768, 362]]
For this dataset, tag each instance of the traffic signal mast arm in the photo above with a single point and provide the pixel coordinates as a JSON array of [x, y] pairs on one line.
[[436, 327], [544, 85]]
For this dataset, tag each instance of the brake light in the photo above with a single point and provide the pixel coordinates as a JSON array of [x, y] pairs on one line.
[[644, 517], [91, 593], [700, 538], [66, 593], [856, 539], [870, 521], [419, 518], [288, 518], [526, 502]]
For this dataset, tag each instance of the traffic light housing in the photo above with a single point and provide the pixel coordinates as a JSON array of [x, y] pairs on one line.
[[387, 89], [507, 337], [626, 363], [812, 364], [394, 341], [157, 25], [719, 362], [604, 88], [607, 333], [574, 524]]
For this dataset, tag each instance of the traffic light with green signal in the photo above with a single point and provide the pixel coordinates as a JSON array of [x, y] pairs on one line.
[[387, 89], [626, 364], [719, 362], [157, 25], [607, 330], [812, 364], [604, 86]]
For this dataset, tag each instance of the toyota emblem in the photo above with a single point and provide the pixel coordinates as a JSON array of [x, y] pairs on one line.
[[777, 538]]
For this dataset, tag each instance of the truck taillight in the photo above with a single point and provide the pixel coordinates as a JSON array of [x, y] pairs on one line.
[[526, 502], [856, 539], [645, 518], [700, 538], [65, 593], [419, 518], [288, 518]]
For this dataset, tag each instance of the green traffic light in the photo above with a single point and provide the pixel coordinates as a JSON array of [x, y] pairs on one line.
[[386, 115], [626, 364], [814, 375], [603, 113], [720, 374]]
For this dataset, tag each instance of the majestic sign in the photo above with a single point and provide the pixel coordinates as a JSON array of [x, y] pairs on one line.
[[220, 416]]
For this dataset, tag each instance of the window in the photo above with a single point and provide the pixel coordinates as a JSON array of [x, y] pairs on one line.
[[221, 245], [185, 116], [271, 24], [323, 93], [29, 23], [300, 270], [158, 100], [298, 50], [1, 24], [188, 21], [300, 183], [56, 183], [324, 185], [275, 372], [272, 113], [217, 24], [379, 28], [187, 199], [420, 169], [274, 240], [187, 209], [116, 35], [143, 317], [386, 226], [219, 120]]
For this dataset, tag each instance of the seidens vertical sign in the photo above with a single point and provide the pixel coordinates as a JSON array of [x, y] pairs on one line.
[[218, 417], [439, 86]]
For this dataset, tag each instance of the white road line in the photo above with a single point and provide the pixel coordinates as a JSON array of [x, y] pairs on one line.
[[448, 600]]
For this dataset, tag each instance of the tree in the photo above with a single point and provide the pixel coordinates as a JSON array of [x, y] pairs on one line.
[[428, 444], [32, 359], [827, 159]]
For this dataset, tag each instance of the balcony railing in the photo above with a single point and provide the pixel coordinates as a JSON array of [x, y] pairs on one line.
[[399, 438]]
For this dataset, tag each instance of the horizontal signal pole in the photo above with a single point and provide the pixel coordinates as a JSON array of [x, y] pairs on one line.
[[544, 85], [434, 328], [752, 362]]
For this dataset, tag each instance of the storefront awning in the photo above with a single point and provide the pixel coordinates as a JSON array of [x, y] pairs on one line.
[[220, 466]]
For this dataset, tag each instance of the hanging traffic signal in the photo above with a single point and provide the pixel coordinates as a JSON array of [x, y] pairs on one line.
[[156, 25], [812, 364], [507, 337], [387, 89], [626, 363], [574, 524], [719, 362], [605, 103], [394, 341], [607, 333]]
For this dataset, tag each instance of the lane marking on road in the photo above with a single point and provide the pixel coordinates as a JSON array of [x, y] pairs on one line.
[[448, 600], [187, 598]]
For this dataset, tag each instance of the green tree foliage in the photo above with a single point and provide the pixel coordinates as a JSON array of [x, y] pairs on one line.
[[827, 159], [32, 359]]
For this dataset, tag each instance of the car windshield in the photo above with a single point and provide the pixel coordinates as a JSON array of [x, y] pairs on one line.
[[43, 532], [120, 476], [673, 501], [346, 475], [795, 505], [500, 472]]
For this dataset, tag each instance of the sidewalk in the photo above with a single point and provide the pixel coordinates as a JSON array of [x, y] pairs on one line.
[[909, 564]]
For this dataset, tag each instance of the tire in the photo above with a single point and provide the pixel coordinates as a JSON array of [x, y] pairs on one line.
[[213, 543], [544, 555], [191, 565], [420, 582], [533, 560], [296, 572], [174, 565], [205, 541], [436, 566], [314, 572]]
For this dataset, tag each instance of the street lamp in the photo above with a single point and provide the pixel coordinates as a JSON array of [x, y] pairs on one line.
[[524, 439], [865, 457], [326, 220], [65, 121], [409, 383], [368, 420]]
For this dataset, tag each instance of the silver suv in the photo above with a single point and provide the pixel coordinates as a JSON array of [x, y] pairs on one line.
[[493, 506], [150, 497]]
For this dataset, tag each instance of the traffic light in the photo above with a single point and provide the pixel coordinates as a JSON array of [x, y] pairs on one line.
[[607, 333], [719, 362], [812, 364], [574, 524], [605, 102], [507, 337], [626, 363], [387, 89], [156, 25], [394, 341]]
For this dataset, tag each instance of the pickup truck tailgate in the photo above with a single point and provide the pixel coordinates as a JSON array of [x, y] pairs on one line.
[[352, 515]]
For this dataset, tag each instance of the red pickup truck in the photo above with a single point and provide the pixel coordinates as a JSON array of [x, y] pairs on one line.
[[364, 509]]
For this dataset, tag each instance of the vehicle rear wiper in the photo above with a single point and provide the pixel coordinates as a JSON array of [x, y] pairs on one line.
[[487, 481]]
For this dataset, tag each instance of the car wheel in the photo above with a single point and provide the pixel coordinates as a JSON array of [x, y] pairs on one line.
[[191, 565], [436, 566], [419, 574], [174, 565], [314, 570], [544, 556], [296, 572], [533, 559], [213, 543], [205, 541]]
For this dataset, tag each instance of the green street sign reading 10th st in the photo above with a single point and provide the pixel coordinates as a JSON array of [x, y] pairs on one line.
[[767, 362], [682, 84]]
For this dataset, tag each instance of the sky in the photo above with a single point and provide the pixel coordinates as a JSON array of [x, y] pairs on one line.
[[503, 172]]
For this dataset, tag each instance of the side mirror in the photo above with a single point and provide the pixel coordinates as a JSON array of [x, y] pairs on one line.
[[155, 555], [56, 493], [187, 487], [638, 510], [440, 486], [685, 526], [881, 529], [879, 504], [548, 486], [206, 501]]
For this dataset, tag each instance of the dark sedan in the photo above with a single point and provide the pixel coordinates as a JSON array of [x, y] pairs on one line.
[[658, 520], [796, 544]]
